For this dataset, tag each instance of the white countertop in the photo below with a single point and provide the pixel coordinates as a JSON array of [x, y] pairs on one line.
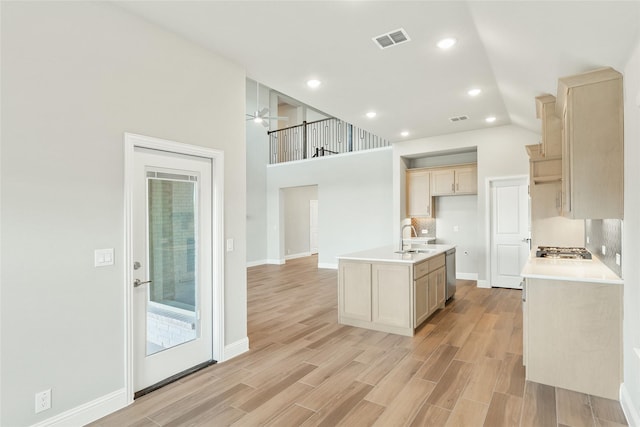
[[387, 254], [587, 270]]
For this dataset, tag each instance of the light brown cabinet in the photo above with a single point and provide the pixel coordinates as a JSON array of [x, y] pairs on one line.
[[590, 106], [551, 144], [419, 200], [571, 330], [390, 297], [453, 181]]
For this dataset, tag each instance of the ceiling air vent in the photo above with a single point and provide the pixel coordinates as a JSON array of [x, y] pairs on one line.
[[391, 38], [458, 118]]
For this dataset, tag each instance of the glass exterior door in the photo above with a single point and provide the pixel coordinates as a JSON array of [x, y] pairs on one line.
[[172, 271]]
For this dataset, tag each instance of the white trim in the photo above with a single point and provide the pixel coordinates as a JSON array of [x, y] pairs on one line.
[[484, 284], [275, 261], [331, 265], [299, 255], [88, 412], [256, 263], [131, 141], [236, 349], [629, 409], [467, 276]]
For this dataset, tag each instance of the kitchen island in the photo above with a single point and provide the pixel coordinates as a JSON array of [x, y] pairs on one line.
[[572, 325], [393, 292]]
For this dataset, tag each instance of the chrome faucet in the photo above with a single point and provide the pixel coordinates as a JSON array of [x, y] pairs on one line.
[[402, 234]]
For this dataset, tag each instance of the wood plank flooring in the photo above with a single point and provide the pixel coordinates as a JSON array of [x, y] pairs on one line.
[[462, 368]]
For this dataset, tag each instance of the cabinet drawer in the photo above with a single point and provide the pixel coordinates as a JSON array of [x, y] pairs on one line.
[[436, 262], [420, 269]]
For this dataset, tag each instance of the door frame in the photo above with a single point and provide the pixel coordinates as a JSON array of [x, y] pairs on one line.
[[131, 141], [488, 209]]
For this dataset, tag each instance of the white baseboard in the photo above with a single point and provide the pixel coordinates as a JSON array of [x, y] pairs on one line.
[[275, 261], [467, 276], [483, 284], [256, 263], [89, 411], [629, 409], [235, 349], [330, 265], [300, 255]]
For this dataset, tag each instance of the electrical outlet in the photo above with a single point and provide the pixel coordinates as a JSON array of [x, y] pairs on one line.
[[456, 228], [618, 259], [587, 240], [43, 400], [604, 250], [425, 231]]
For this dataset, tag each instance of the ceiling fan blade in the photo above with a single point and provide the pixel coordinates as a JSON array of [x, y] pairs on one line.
[[265, 123], [262, 112]]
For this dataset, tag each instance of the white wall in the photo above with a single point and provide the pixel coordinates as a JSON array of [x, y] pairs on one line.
[[75, 77], [631, 238], [297, 222], [257, 159], [460, 212], [354, 197], [501, 152]]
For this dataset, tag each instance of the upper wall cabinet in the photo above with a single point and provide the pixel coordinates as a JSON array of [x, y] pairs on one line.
[[419, 200], [461, 179], [551, 144], [590, 106]]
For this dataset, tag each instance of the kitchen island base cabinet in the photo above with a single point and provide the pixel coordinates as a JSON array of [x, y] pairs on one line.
[[390, 297], [573, 335]]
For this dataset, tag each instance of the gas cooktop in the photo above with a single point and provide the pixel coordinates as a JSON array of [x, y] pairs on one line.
[[562, 252]]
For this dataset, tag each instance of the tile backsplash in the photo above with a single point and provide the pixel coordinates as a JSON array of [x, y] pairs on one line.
[[608, 233], [421, 224]]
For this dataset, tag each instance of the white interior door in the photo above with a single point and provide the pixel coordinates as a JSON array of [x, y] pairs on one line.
[[509, 231], [172, 270], [313, 226]]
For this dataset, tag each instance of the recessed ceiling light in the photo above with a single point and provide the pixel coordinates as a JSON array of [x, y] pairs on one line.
[[404, 133], [447, 43], [474, 92], [313, 83], [490, 119], [371, 114]]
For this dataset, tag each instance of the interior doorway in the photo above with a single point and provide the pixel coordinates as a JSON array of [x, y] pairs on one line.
[[300, 221], [510, 235]]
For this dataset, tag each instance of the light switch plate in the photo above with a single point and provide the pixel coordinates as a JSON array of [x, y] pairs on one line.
[[604, 250], [229, 245], [618, 260], [103, 257]]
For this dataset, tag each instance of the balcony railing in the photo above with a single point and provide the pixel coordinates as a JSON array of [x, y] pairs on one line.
[[318, 139]]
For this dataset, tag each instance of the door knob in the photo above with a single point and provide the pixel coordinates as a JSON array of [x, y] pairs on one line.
[[139, 282]]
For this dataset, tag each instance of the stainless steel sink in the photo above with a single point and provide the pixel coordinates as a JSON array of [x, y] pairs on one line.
[[416, 251]]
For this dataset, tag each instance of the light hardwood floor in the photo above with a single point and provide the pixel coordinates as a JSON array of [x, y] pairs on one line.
[[462, 368]]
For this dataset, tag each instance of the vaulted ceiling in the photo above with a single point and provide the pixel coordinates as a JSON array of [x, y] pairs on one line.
[[511, 50]]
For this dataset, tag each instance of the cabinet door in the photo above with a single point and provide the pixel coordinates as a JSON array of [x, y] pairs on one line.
[[441, 286], [391, 288], [442, 182], [419, 193], [433, 291], [421, 300], [466, 180], [354, 286]]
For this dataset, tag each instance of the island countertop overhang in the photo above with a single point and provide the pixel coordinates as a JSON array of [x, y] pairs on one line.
[[388, 254]]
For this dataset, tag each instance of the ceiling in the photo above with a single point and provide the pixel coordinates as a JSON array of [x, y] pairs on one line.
[[512, 50]]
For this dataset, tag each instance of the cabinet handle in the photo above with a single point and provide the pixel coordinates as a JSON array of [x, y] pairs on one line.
[[457, 187], [453, 187]]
